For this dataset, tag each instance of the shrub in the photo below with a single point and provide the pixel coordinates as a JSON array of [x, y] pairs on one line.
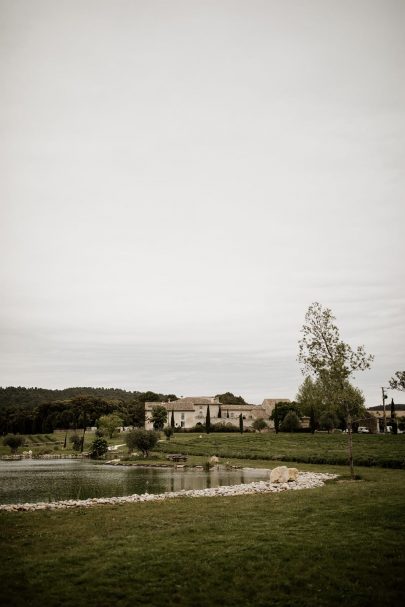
[[144, 440], [76, 441], [259, 424], [13, 441], [98, 447], [168, 432]]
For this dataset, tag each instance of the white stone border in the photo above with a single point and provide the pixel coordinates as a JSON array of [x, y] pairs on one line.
[[306, 480]]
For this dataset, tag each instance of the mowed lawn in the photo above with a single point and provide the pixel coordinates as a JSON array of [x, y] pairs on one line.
[[342, 544], [323, 448]]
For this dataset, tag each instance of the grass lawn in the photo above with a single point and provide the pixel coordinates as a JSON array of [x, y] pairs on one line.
[[342, 544], [319, 448]]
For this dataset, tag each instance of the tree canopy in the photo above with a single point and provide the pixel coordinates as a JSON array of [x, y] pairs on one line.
[[230, 399], [324, 355], [397, 382]]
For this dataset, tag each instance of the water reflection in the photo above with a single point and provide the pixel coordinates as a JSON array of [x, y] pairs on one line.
[[41, 480]]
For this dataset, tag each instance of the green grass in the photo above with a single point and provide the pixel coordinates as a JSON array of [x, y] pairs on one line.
[[369, 450], [342, 544]]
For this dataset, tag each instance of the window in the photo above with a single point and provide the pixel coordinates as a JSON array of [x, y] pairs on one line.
[[182, 416]]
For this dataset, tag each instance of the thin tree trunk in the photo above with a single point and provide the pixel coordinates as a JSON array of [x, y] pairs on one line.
[[350, 445]]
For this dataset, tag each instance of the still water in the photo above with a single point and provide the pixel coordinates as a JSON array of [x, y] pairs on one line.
[[40, 480]]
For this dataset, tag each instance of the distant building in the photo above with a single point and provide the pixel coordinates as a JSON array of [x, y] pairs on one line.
[[192, 410]]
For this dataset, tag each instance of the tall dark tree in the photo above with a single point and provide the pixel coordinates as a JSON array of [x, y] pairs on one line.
[[219, 412], [172, 419], [208, 421], [394, 424], [241, 423]]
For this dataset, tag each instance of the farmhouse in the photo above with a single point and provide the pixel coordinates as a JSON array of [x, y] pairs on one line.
[[192, 411]]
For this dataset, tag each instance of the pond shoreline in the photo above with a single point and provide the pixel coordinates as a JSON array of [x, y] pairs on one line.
[[306, 480]]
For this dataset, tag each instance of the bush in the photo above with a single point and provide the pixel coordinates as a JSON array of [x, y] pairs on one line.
[[168, 432], [13, 441], [259, 424], [144, 440], [76, 441], [98, 447]]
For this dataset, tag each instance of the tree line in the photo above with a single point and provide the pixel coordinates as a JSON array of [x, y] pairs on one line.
[[82, 408]]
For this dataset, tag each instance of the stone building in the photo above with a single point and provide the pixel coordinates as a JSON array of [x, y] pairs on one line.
[[191, 411]]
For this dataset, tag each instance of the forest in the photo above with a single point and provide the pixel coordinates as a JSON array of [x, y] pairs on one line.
[[40, 410]]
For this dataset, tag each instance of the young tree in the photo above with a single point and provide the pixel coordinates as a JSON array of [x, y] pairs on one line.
[[168, 432], [398, 381], [109, 423], [144, 440], [208, 421], [76, 441], [98, 447], [14, 441], [159, 417], [324, 355]]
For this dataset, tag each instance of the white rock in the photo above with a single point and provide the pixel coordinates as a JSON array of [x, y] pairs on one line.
[[279, 475], [293, 474]]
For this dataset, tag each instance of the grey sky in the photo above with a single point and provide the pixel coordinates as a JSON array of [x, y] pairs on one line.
[[180, 180]]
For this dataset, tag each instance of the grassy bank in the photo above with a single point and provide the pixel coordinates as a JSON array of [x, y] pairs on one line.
[[369, 450], [341, 544]]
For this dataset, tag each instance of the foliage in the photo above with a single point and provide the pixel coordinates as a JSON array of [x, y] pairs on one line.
[[241, 423], [398, 381], [76, 441], [158, 417], [310, 398], [33, 410], [14, 441], [290, 423], [324, 355], [230, 399], [328, 420], [172, 424], [98, 447], [168, 432], [144, 440], [110, 423], [281, 410], [259, 424]]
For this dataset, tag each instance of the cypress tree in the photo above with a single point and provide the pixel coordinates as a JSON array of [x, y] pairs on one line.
[[227, 413], [208, 421], [241, 423], [219, 412], [393, 420], [172, 420]]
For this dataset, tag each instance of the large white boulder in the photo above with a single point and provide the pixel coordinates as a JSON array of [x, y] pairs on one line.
[[293, 474], [214, 460], [279, 475]]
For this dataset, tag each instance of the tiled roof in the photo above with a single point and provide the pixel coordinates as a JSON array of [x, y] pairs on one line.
[[274, 401]]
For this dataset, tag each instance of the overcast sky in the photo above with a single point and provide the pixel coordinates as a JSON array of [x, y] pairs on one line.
[[181, 179]]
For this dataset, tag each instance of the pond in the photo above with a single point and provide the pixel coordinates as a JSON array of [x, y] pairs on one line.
[[41, 480]]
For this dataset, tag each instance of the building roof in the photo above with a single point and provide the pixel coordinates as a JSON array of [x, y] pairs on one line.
[[274, 401], [184, 404]]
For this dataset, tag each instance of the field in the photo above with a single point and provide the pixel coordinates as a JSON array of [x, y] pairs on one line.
[[340, 544], [320, 448]]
